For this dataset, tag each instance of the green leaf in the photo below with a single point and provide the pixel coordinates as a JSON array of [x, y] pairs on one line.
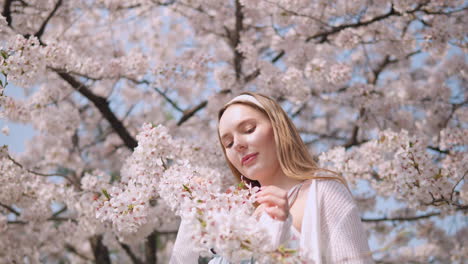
[[186, 188], [106, 194], [202, 222], [4, 54]]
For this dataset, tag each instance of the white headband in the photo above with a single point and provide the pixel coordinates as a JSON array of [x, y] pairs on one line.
[[244, 98]]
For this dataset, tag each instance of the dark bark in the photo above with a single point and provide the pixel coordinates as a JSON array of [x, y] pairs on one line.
[[6, 12], [103, 106], [133, 257], [191, 112], [100, 251], [238, 57], [41, 30], [323, 36], [151, 248]]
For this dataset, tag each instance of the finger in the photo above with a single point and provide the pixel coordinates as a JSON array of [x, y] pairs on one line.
[[258, 212], [277, 213]]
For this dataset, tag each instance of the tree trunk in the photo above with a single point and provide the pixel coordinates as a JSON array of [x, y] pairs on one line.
[[151, 248], [101, 253]]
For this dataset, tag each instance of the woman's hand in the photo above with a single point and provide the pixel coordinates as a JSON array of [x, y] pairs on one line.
[[274, 201]]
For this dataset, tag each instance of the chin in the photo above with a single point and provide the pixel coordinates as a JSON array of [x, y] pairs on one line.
[[254, 176]]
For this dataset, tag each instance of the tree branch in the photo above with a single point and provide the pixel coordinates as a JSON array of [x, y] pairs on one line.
[[438, 150], [169, 100], [11, 209], [74, 251], [191, 112], [7, 12], [455, 186], [41, 30], [163, 94], [353, 139], [100, 251], [392, 12], [130, 253], [408, 218], [151, 248], [235, 39], [103, 106], [39, 173], [63, 209]]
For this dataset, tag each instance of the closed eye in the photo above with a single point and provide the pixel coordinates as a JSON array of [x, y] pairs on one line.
[[250, 130]]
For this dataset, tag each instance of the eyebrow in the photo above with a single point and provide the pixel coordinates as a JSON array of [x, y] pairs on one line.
[[238, 125]]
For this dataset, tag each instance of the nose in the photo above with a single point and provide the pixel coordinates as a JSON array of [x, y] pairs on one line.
[[239, 144]]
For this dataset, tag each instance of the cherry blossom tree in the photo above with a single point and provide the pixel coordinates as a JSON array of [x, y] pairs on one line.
[[123, 96]]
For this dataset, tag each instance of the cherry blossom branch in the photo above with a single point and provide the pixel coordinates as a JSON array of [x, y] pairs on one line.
[[187, 114], [11, 209], [73, 250], [14, 222], [452, 111], [159, 91], [54, 217], [100, 102], [41, 30], [331, 136], [103, 106], [7, 11], [294, 13], [160, 3], [352, 141], [191, 112], [151, 248], [63, 209], [130, 253], [408, 218], [62, 219], [455, 186], [439, 150], [376, 73], [39, 173], [59, 219], [392, 12], [430, 12], [100, 251], [234, 39], [169, 100]]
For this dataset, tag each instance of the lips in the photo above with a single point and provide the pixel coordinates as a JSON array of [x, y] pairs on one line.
[[247, 158]]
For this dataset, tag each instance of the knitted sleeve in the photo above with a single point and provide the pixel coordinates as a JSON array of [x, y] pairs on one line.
[[183, 251], [343, 236]]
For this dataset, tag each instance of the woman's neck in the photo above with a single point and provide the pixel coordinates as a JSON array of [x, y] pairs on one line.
[[280, 180]]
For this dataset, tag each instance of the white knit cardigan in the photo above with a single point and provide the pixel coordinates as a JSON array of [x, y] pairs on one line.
[[335, 235]]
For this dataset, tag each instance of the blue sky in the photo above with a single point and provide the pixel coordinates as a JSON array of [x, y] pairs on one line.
[[19, 133]]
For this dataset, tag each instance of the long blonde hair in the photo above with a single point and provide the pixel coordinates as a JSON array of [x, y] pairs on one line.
[[294, 158]]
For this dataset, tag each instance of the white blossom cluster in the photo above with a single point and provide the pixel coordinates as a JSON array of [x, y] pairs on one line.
[[353, 75], [220, 221], [23, 60], [322, 72], [128, 206], [398, 165]]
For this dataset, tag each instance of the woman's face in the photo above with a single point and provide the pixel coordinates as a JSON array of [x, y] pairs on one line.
[[247, 136]]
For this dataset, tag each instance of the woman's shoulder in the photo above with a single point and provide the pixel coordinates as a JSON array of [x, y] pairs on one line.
[[330, 192]]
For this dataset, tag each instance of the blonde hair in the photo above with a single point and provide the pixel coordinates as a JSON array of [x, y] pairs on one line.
[[294, 158]]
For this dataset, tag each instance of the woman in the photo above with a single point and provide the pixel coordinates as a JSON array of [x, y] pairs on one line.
[[307, 207]]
